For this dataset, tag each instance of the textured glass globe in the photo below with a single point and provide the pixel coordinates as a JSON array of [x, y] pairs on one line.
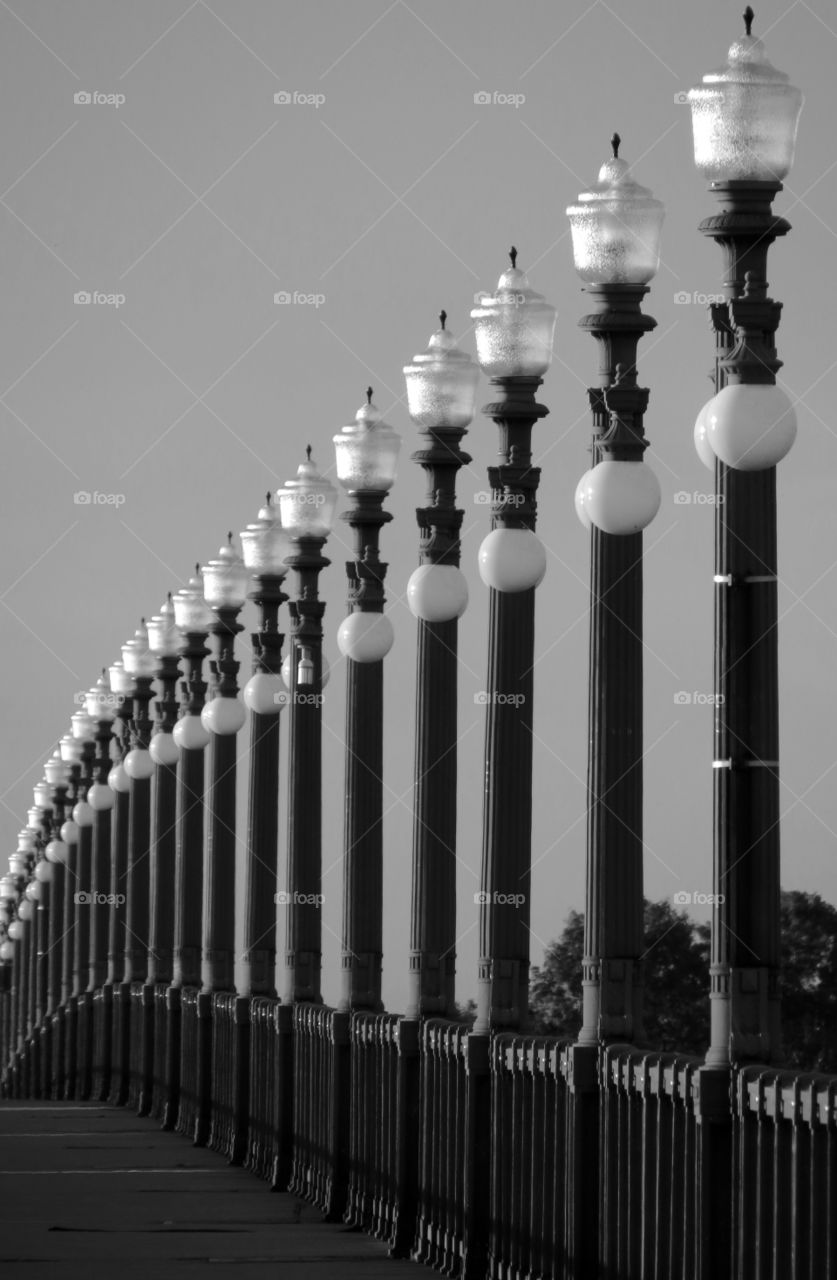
[[163, 635], [17, 865], [82, 726], [69, 832], [367, 451], [264, 544], [55, 770], [616, 228], [514, 328], [306, 504], [622, 497], [15, 931], [42, 795], [163, 749], [365, 637], [83, 814], [189, 734], [287, 674], [7, 950], [138, 764], [100, 701], [441, 383], [751, 427], [226, 579], [7, 888], [120, 682], [703, 447], [224, 716], [512, 560], [744, 118], [34, 818], [44, 872], [26, 841], [118, 779], [437, 592], [26, 909], [191, 612], [57, 850], [100, 797], [582, 490], [265, 693], [137, 658]]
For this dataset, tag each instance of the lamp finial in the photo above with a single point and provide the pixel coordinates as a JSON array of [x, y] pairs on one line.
[[513, 256], [368, 395], [748, 19], [443, 315], [308, 452], [616, 142]]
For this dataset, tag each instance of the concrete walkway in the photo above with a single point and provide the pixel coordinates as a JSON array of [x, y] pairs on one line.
[[94, 1193]]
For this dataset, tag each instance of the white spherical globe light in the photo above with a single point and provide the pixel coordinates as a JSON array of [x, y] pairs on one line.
[[69, 832], [7, 949], [512, 560], [15, 929], [118, 779], [581, 494], [437, 592], [622, 497], [34, 891], [365, 637], [751, 427], [26, 910], [44, 872], [83, 814], [223, 716], [287, 674], [100, 797], [138, 764], [57, 850], [163, 749], [265, 693], [703, 447], [189, 734]]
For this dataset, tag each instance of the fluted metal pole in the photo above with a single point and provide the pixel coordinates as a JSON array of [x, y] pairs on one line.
[[613, 923], [363, 865], [137, 890], [99, 913], [82, 908], [114, 1015], [504, 910]]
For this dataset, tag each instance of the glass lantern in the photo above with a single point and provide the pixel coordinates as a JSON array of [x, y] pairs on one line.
[[367, 451], [514, 327], [264, 543], [120, 682], [225, 579], [191, 612], [441, 383], [55, 770], [137, 658], [163, 635], [616, 227], [82, 726], [306, 504], [100, 701], [745, 116]]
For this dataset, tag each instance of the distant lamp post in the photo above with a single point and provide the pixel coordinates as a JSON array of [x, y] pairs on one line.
[[366, 454], [441, 386], [744, 120], [306, 507], [514, 330], [616, 230]]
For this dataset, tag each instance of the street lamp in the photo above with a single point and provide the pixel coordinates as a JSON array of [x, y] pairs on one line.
[[225, 583], [514, 330], [367, 454], [441, 386], [306, 508], [82, 729], [744, 122], [616, 230]]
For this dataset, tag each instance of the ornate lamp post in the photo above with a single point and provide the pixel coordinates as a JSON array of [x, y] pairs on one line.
[[140, 667], [367, 453], [164, 643], [193, 619], [225, 582], [441, 385], [83, 730], [306, 508], [113, 1032], [514, 330], [744, 121], [616, 245], [57, 852]]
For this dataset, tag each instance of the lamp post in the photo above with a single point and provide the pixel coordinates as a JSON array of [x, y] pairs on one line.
[[83, 730], [57, 851], [514, 330], [164, 643], [69, 835], [140, 666], [113, 1033], [441, 385], [744, 121], [193, 619], [306, 508], [616, 237], [366, 453], [225, 582]]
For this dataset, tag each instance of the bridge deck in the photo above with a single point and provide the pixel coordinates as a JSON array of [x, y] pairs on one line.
[[108, 1196]]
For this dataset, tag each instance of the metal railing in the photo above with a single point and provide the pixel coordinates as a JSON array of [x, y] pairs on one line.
[[320, 1111], [373, 1123]]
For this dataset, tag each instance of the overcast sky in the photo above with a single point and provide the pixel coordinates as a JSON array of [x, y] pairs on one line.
[[380, 193]]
